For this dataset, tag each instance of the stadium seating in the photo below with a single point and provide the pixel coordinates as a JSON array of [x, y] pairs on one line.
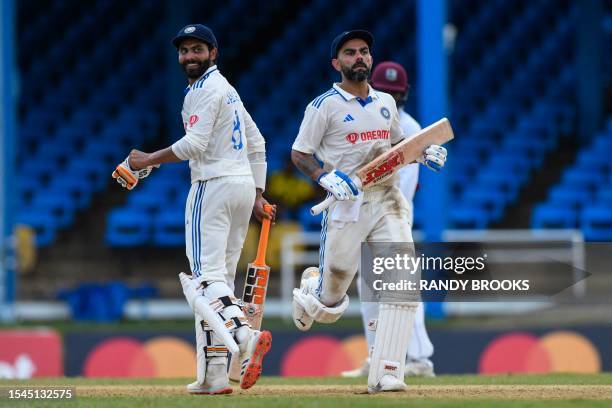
[[585, 192], [512, 78]]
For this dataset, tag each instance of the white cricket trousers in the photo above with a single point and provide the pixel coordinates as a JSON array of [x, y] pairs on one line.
[[383, 217], [217, 217]]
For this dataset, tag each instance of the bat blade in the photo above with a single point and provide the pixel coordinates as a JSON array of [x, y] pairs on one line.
[[254, 295], [389, 162], [404, 153]]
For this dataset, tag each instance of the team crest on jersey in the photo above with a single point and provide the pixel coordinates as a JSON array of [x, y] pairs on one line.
[[385, 112], [352, 137], [193, 119]]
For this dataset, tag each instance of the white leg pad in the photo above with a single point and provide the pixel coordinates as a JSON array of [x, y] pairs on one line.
[[201, 306], [200, 354], [317, 310], [388, 360]]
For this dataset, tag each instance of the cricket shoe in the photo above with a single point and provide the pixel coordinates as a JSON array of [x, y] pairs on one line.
[[358, 372], [420, 368], [388, 383], [257, 347], [301, 319], [215, 383], [198, 389]]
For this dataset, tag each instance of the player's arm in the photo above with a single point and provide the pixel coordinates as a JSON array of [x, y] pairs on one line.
[[335, 182], [140, 160], [203, 109], [308, 140], [307, 164]]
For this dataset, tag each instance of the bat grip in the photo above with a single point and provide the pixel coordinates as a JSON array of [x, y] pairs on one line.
[[260, 258], [322, 206]]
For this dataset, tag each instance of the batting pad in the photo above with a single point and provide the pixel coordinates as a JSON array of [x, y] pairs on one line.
[[393, 332]]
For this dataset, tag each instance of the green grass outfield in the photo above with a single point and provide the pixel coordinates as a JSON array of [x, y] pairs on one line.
[[557, 390]]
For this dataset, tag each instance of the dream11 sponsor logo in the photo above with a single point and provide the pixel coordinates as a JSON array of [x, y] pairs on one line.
[[30, 353], [380, 134], [193, 119]]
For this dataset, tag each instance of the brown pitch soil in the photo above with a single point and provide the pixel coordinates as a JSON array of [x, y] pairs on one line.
[[548, 392]]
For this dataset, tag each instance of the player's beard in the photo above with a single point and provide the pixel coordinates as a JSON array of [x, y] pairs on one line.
[[195, 73], [354, 75]]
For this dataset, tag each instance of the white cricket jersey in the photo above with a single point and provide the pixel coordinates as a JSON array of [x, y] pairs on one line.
[[409, 175], [219, 128], [345, 132]]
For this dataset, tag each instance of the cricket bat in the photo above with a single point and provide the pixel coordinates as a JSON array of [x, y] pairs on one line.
[[255, 287], [400, 155]]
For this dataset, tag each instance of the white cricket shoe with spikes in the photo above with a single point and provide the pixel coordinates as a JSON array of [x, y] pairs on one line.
[[252, 358], [216, 382]]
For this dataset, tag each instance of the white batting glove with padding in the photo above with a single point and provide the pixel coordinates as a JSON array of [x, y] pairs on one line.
[[434, 157], [127, 177], [339, 184]]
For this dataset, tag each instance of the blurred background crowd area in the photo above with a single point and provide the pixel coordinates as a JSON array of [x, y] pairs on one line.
[[530, 102]]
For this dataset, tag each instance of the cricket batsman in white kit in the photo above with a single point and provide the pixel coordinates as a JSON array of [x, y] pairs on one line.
[[226, 154], [391, 77], [342, 130]]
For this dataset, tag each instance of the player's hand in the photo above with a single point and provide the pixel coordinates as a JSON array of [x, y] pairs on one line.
[[339, 184], [125, 176], [258, 208], [139, 162], [434, 157]]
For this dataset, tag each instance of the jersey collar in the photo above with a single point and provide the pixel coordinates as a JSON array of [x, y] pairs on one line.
[[201, 79], [372, 94]]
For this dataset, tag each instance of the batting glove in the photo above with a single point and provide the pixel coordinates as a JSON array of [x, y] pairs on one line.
[[433, 157], [127, 177], [339, 184]]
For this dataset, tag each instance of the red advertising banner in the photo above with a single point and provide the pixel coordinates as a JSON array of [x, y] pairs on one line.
[[30, 353]]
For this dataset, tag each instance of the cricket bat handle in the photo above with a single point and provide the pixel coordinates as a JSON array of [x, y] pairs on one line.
[[323, 205], [260, 258]]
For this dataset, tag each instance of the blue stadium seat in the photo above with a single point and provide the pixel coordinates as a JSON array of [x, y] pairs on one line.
[[43, 222], [508, 183], [28, 188], [78, 189], [583, 177], [60, 206], [105, 151], [572, 196], [147, 200], [591, 158], [603, 143], [169, 227], [483, 197], [553, 216], [55, 153], [468, 217], [604, 196], [511, 163], [128, 227], [95, 172], [596, 222]]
